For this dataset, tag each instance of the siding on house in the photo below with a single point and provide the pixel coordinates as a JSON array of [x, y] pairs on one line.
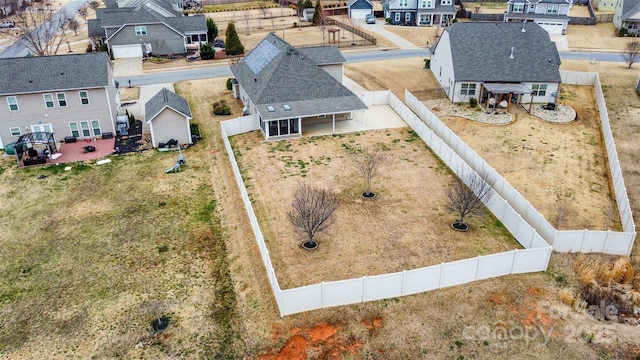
[[163, 39], [169, 124]]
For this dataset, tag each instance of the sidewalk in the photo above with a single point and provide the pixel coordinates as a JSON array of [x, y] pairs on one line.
[[379, 28]]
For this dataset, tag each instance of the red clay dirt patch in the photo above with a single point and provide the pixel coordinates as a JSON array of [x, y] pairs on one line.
[[321, 342]]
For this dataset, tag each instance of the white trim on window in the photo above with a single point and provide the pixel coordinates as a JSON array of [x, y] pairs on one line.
[[468, 89], [552, 9], [397, 16], [13, 103], [15, 131], [84, 97], [62, 99], [48, 101], [407, 17], [539, 89], [141, 31], [518, 8]]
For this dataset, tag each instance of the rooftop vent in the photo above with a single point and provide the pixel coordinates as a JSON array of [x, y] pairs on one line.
[[511, 56]]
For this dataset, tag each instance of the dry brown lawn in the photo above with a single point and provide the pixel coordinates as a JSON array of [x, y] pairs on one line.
[[373, 236]]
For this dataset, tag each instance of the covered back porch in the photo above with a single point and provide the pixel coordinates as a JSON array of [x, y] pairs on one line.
[[500, 97]]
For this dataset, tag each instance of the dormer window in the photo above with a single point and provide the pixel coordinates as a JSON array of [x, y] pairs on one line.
[[518, 8], [552, 9]]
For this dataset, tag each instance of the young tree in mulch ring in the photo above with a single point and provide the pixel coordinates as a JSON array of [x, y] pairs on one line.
[[233, 45], [312, 211], [207, 52], [467, 195], [367, 164]]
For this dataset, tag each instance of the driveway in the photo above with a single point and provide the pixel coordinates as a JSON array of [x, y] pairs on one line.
[[127, 66], [137, 108], [379, 28]]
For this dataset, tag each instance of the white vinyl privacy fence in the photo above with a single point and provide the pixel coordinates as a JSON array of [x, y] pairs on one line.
[[533, 258], [610, 242]]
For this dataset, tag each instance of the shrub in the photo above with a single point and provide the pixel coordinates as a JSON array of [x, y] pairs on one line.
[[89, 48], [622, 32], [387, 20], [473, 102], [427, 63], [454, 21], [207, 52], [229, 84], [218, 110]]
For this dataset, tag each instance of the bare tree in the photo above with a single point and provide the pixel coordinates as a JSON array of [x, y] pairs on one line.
[[367, 164], [323, 32], [263, 11], [83, 12], [95, 4], [39, 29], [357, 22], [247, 21], [74, 25], [312, 211], [631, 52], [467, 194]]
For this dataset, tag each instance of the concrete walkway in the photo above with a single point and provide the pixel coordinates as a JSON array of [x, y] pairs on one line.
[[379, 28]]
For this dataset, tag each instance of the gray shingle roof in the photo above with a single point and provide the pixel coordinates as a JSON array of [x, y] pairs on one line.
[[629, 8], [163, 99], [50, 73], [324, 55], [292, 77], [481, 51], [115, 18]]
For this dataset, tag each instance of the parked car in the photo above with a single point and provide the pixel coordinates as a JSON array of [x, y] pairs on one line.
[[370, 19], [219, 43], [7, 24]]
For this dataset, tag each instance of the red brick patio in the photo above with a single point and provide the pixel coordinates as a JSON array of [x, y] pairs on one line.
[[73, 152]]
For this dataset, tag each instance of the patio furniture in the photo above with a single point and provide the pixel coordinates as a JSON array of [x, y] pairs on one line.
[[88, 149], [69, 139]]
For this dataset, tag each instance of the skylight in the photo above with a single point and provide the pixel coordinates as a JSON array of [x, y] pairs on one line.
[[286, 107], [271, 108]]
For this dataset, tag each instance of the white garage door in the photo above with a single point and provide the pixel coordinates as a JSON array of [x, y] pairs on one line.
[[359, 13], [551, 27], [126, 51]]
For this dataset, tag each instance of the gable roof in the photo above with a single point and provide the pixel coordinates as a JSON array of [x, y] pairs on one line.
[[351, 2], [51, 73], [166, 98], [114, 19], [275, 74], [481, 51], [630, 8]]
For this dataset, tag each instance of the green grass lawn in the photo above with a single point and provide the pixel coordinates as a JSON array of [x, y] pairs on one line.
[[91, 256]]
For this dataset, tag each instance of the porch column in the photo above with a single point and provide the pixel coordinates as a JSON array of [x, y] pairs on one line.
[[509, 102]]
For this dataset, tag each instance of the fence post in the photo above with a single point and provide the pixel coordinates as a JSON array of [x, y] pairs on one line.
[[364, 288], [440, 279], [323, 294], [478, 266], [513, 261]]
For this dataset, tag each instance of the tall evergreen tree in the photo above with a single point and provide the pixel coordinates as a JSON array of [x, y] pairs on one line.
[[307, 4], [212, 29], [233, 45], [318, 18]]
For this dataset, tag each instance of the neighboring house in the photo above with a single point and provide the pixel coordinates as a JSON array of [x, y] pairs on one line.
[[604, 5], [516, 62], [149, 28], [287, 87], [552, 15], [168, 115], [68, 95], [359, 9], [627, 16], [420, 12], [5, 7]]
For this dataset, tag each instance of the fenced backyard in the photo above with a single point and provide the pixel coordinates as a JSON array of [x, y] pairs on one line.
[[536, 235]]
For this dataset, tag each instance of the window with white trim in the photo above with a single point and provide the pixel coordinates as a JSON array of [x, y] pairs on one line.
[[141, 31], [407, 17], [397, 17], [445, 2], [552, 9], [95, 127], [539, 89], [62, 99], [84, 97], [13, 103], [468, 89], [518, 8], [48, 100], [404, 3], [75, 131], [15, 131], [423, 4]]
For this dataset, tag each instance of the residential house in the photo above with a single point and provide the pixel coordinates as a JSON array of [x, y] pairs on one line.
[[604, 5], [627, 16], [504, 61], [552, 15], [359, 9], [289, 87], [149, 28], [67, 95], [420, 12], [168, 115]]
